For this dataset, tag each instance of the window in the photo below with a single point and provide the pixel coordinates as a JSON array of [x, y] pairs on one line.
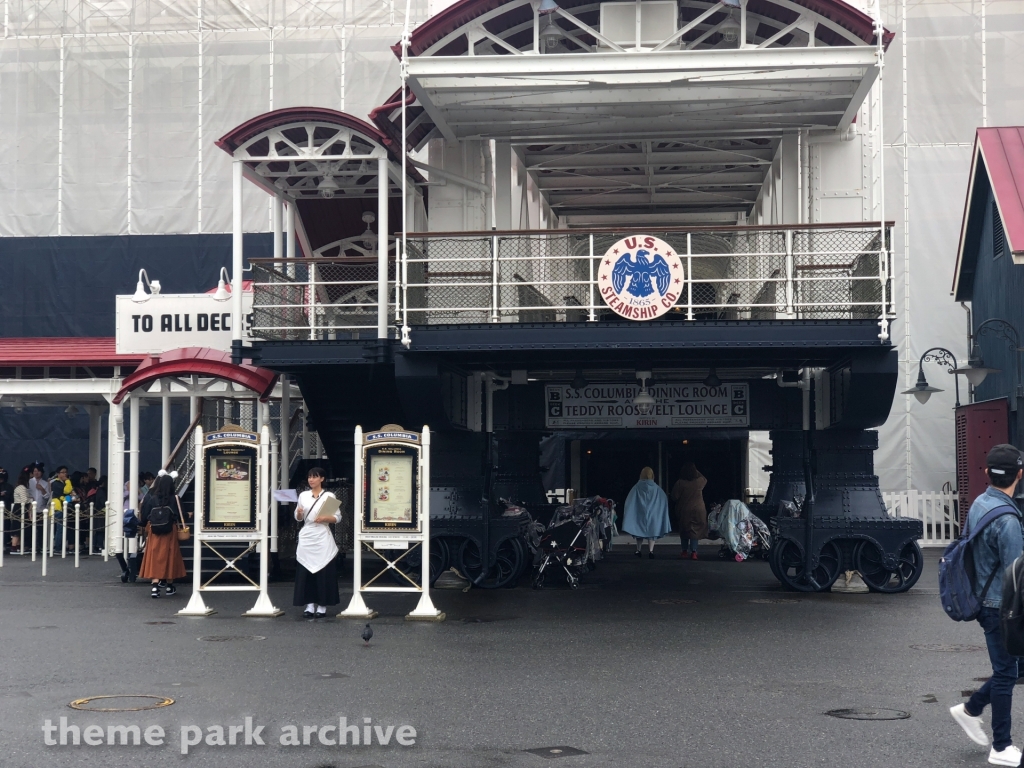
[[998, 236]]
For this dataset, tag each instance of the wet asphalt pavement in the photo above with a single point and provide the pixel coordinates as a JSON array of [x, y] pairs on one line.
[[662, 663]]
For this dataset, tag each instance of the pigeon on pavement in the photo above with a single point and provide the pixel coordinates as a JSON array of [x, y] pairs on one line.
[[367, 634]]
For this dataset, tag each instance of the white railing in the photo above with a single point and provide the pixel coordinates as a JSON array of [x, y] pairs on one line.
[[821, 272], [939, 511]]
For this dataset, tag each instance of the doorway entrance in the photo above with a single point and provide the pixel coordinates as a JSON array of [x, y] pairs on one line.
[[610, 467]]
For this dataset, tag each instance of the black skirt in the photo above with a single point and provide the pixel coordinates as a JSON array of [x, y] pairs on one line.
[[320, 587]]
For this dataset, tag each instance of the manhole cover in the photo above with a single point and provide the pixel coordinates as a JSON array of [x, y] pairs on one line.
[[774, 600], [159, 622], [868, 713], [552, 752], [147, 702], [674, 601], [328, 675], [943, 648], [230, 638]]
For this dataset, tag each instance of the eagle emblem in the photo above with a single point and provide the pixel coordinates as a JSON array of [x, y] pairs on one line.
[[640, 277], [639, 273]]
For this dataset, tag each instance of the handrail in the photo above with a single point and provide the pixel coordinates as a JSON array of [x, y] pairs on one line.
[[183, 440], [583, 231]]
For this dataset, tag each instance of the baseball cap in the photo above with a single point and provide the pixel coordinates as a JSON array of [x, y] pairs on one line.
[[1003, 459]]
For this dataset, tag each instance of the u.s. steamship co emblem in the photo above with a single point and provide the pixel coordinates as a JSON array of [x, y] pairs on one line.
[[640, 277]]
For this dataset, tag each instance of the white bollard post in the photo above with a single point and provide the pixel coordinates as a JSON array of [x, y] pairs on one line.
[[106, 532], [64, 529], [78, 532], [3, 524], [46, 527], [33, 531], [52, 523], [21, 538], [92, 513]]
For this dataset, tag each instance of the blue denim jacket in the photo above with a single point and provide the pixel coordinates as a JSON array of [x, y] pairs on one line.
[[997, 546]]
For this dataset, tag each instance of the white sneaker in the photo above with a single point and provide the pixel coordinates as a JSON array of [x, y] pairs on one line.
[[1009, 756], [972, 727]]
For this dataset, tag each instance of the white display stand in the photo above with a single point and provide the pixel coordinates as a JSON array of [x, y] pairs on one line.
[[255, 532], [388, 537]]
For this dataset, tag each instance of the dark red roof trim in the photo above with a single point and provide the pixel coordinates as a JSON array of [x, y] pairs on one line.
[[87, 352], [465, 11], [203, 362]]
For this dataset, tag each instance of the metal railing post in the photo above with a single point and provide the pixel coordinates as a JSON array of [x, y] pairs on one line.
[[3, 514], [92, 517], [689, 276], [593, 309], [78, 533], [21, 537], [494, 279], [47, 511], [106, 531], [790, 270], [311, 279], [52, 510], [883, 274]]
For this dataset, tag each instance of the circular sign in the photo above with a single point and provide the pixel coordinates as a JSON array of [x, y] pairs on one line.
[[640, 277]]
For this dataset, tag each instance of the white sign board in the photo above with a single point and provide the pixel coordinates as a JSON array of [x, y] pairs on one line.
[[176, 320], [677, 404]]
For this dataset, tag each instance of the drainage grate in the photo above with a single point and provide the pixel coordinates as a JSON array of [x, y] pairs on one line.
[[774, 600], [868, 713], [674, 601], [159, 622], [553, 752], [230, 638], [942, 648]]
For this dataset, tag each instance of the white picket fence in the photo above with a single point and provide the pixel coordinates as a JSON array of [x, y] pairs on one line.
[[940, 513]]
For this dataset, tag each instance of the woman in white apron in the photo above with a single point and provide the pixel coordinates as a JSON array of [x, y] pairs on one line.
[[316, 570]]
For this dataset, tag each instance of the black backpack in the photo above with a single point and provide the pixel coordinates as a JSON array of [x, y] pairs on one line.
[[160, 520], [1011, 612]]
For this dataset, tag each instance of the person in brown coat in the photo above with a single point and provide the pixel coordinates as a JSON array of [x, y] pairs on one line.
[[162, 562], [691, 514]]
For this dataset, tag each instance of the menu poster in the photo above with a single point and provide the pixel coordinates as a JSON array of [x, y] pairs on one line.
[[230, 487], [390, 488]]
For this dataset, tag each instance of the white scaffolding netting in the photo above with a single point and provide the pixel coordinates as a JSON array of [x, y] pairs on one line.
[[109, 110]]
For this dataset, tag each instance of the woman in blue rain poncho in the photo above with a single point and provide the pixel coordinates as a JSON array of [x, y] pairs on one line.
[[646, 512]]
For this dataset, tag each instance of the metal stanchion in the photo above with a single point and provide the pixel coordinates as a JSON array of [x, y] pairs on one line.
[[64, 512], [33, 531], [21, 538], [51, 523], [3, 520], [78, 532], [106, 531]]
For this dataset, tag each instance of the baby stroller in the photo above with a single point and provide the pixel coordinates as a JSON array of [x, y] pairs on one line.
[[565, 548], [744, 534]]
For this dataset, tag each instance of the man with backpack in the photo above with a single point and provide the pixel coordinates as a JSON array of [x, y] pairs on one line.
[[995, 540]]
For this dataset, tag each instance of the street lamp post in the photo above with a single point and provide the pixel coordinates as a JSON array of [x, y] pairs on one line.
[[922, 391], [1004, 330]]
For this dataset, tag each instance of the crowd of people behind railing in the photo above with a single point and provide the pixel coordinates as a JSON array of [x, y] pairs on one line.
[[78, 499]]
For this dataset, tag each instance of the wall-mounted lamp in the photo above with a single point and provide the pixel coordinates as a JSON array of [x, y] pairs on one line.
[[223, 292], [140, 294]]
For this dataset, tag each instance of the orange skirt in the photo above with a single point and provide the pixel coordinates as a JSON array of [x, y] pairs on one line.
[[162, 558]]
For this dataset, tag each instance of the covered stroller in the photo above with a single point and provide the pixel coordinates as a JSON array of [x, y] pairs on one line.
[[567, 546], [744, 534]]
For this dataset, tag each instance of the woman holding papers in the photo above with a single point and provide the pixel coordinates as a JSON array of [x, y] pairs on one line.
[[316, 571]]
